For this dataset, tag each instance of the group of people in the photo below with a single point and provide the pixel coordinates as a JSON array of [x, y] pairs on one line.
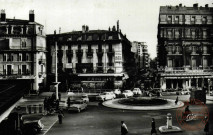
[[51, 103]]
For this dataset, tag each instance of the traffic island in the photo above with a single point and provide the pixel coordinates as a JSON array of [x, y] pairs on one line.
[[169, 128], [121, 104]]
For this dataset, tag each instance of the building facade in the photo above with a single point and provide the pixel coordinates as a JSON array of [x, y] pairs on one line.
[[96, 59], [185, 46], [141, 54], [22, 50]]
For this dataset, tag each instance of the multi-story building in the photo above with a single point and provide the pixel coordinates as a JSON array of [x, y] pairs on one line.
[[141, 54], [92, 57], [22, 50], [185, 46]]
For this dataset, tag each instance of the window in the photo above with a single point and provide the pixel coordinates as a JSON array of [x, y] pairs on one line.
[[169, 19], [169, 33], [24, 57], [193, 33], [205, 49], [176, 19], [4, 57], [177, 34], [23, 43], [204, 20], [193, 20], [24, 69]]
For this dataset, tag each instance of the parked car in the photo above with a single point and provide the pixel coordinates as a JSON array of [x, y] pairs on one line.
[[105, 96], [136, 91], [32, 126], [127, 93], [77, 105], [117, 91], [79, 96], [185, 92]]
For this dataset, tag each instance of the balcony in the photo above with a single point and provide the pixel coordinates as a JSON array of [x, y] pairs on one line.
[[15, 75], [187, 70]]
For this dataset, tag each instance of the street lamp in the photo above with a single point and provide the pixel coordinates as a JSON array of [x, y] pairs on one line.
[[56, 71]]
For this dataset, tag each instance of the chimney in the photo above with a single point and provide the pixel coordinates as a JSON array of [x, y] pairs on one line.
[[113, 28], [180, 5], [87, 28], [83, 29], [31, 16], [3, 16], [54, 32], [109, 29], [207, 5], [195, 5], [118, 25]]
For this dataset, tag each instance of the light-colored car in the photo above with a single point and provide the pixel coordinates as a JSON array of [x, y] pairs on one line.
[[117, 91], [105, 96], [185, 92], [136, 91], [77, 105], [79, 96], [127, 93]]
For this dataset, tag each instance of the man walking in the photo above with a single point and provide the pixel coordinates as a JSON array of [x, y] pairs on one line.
[[124, 129], [153, 131]]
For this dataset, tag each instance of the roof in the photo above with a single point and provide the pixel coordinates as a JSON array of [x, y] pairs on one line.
[[20, 21], [186, 10]]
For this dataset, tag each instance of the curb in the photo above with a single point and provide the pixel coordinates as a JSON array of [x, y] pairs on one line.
[[171, 105]]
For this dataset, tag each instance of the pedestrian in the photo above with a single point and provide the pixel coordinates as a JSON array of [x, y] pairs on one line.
[[176, 101], [153, 130], [45, 103], [68, 102], [206, 128], [124, 129], [60, 117]]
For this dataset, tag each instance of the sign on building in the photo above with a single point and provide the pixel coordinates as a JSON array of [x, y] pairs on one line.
[[118, 56]]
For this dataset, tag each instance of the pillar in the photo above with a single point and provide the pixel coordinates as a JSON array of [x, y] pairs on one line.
[[184, 84], [196, 82], [163, 83], [190, 80], [202, 82], [172, 84]]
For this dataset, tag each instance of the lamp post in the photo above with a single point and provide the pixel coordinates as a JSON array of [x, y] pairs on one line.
[[56, 71]]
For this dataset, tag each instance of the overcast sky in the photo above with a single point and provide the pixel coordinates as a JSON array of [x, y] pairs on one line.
[[138, 18]]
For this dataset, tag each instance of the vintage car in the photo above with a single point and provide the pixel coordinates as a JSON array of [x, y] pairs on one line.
[[136, 91], [127, 93], [105, 96], [77, 105], [78, 96], [184, 92]]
